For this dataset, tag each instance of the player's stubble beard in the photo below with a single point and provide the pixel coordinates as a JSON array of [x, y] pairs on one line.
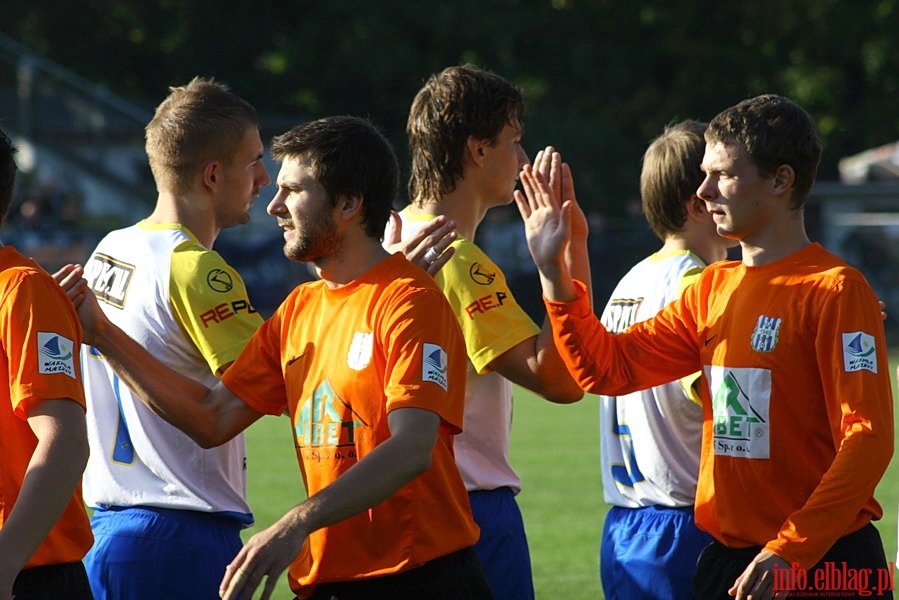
[[315, 238]]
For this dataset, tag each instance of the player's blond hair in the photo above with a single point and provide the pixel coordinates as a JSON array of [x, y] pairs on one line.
[[200, 122]]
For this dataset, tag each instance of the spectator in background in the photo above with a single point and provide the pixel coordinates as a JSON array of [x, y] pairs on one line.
[[44, 529]]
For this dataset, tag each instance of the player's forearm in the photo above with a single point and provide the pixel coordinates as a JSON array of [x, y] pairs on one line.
[[556, 383], [50, 480], [835, 505], [556, 282], [374, 479], [178, 399], [577, 260]]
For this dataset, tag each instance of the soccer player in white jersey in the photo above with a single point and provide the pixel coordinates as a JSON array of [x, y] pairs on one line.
[[650, 440], [465, 129], [167, 514]]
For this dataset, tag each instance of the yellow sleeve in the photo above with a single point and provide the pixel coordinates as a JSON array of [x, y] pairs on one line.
[[211, 303], [491, 320]]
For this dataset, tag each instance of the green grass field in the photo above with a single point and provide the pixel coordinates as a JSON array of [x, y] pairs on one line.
[[556, 451]]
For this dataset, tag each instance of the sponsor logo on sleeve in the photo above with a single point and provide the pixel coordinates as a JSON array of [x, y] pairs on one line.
[[434, 365], [219, 280], [480, 274], [486, 303], [224, 311], [859, 352], [55, 354]]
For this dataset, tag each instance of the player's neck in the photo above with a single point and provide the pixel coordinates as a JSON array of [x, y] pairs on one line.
[[461, 205], [356, 255], [778, 240], [708, 247], [189, 214]]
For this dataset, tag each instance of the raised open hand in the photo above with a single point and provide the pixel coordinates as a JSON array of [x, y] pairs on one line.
[[547, 222]]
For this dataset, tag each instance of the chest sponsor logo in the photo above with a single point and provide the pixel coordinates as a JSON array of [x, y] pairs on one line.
[[741, 399], [434, 365], [622, 313], [360, 351], [481, 274], [55, 354], [325, 421], [219, 280], [766, 333], [859, 352], [109, 279]]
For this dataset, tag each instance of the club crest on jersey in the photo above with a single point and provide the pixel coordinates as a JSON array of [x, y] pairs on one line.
[[359, 354], [434, 365], [859, 352], [55, 354], [766, 333]]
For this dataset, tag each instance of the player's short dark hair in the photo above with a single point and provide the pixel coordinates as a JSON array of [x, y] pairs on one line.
[[774, 131], [348, 156]]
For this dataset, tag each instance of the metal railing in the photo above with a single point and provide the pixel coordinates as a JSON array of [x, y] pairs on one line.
[[80, 122]]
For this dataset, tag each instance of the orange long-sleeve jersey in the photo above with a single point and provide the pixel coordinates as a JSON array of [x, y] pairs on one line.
[[797, 400]]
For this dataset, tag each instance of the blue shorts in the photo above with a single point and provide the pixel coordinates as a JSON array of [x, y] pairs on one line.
[[143, 553], [650, 553], [502, 547]]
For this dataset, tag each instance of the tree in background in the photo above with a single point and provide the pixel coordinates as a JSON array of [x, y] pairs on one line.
[[600, 76]]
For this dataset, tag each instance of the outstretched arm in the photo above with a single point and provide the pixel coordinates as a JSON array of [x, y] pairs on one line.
[[209, 417], [50, 479], [535, 362]]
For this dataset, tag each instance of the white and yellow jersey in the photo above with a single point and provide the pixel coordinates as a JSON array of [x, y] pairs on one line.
[[650, 440], [190, 309], [492, 322]]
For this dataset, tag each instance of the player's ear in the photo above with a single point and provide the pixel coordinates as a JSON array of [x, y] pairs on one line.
[[349, 206], [477, 150], [211, 174], [784, 178], [696, 208]]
